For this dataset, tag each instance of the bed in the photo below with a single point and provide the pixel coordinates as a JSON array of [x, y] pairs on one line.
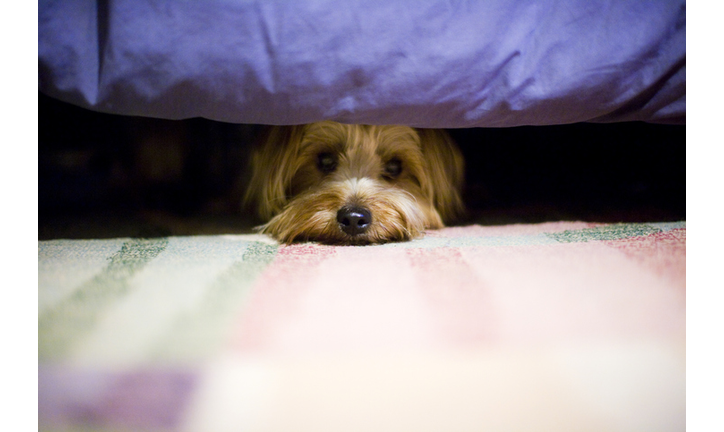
[[449, 64]]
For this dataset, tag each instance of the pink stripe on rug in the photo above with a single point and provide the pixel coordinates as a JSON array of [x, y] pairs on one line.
[[458, 300], [574, 292], [277, 294], [352, 299], [664, 253]]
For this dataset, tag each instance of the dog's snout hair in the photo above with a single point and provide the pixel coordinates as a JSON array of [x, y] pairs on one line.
[[400, 181]]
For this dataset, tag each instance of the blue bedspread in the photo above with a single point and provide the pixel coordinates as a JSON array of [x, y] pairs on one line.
[[427, 64]]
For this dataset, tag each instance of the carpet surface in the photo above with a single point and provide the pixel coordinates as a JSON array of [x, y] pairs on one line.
[[556, 326]]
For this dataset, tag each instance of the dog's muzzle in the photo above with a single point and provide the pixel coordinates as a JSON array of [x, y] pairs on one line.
[[354, 220]]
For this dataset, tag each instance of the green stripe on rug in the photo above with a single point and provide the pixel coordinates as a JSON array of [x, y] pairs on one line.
[[199, 333], [68, 321], [607, 232]]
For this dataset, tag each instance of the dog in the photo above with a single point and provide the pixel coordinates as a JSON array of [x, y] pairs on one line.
[[342, 184]]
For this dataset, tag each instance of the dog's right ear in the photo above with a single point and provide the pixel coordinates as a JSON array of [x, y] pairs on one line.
[[273, 165]]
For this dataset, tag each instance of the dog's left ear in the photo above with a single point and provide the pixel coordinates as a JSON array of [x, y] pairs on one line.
[[445, 172]]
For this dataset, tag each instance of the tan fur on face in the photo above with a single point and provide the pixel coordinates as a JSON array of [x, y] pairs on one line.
[[301, 202]]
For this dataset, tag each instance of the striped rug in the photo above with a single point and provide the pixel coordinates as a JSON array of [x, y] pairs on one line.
[[555, 326]]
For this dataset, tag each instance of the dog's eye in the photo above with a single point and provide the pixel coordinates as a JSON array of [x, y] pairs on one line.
[[326, 162], [393, 168]]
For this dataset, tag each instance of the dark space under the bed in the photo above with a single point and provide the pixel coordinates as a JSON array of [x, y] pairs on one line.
[[95, 180]]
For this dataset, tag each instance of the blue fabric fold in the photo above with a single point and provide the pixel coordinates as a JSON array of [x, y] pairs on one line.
[[450, 64]]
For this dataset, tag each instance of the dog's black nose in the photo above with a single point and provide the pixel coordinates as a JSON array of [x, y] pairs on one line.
[[354, 220]]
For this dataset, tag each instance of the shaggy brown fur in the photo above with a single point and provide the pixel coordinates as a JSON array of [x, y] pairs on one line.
[[355, 184]]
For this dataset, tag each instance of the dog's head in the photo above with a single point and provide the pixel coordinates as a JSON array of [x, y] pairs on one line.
[[355, 184]]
